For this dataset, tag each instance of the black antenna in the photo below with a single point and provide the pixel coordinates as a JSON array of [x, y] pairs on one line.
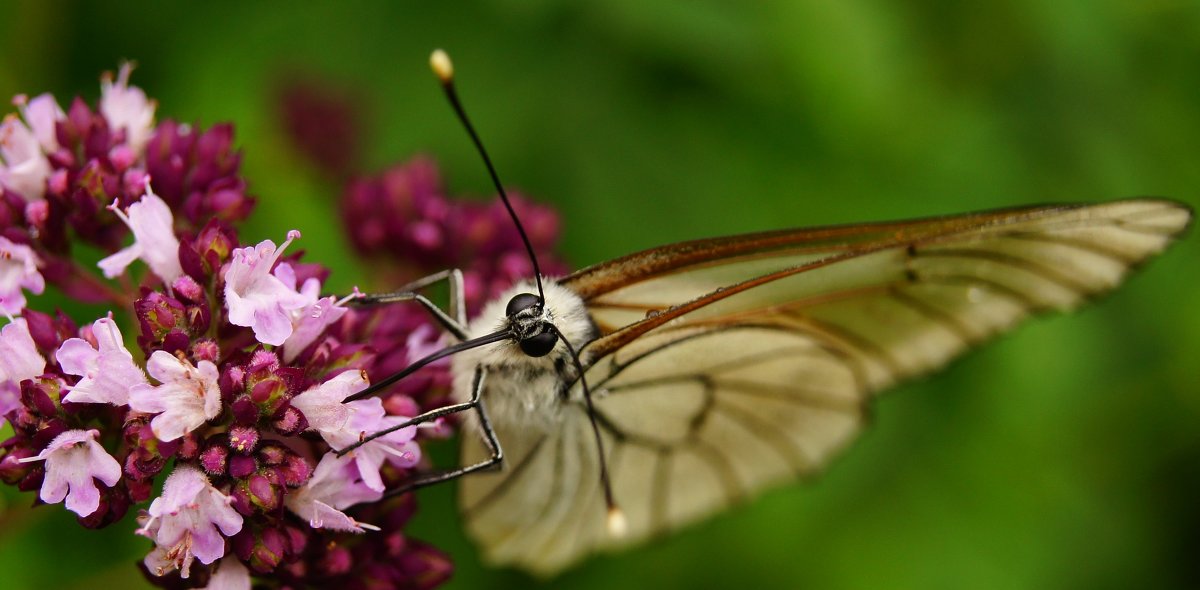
[[616, 522], [441, 354], [444, 69]]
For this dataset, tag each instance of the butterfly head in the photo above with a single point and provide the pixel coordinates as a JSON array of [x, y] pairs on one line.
[[531, 324]]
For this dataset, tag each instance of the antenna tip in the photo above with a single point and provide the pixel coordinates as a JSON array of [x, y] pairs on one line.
[[617, 525], [443, 68]]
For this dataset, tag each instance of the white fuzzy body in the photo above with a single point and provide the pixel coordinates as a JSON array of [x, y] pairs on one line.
[[522, 391]]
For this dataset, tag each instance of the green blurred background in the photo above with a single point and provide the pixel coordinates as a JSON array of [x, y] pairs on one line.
[[1064, 456]]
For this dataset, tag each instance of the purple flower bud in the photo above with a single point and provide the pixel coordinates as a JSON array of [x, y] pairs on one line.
[[42, 394], [12, 470], [188, 288], [295, 470], [215, 459], [262, 550], [290, 422], [336, 561], [48, 331], [158, 315], [272, 453], [206, 349], [243, 439], [245, 411], [263, 360], [202, 257], [260, 492], [241, 466], [425, 565]]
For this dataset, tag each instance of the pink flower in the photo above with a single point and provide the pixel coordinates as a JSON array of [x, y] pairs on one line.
[[184, 523], [310, 321], [19, 360], [188, 397], [258, 299], [154, 239], [126, 107], [343, 424], [42, 114], [108, 372], [333, 487], [367, 416], [230, 575], [73, 461], [322, 405], [26, 167], [18, 270]]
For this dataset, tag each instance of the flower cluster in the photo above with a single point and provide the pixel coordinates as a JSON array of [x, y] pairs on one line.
[[404, 218], [236, 388]]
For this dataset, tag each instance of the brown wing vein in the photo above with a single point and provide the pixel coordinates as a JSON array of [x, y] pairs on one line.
[[772, 434]]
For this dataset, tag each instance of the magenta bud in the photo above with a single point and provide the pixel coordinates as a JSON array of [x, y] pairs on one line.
[[245, 411], [263, 360], [206, 350], [187, 287], [273, 454], [241, 465], [243, 439], [262, 550], [290, 422], [337, 561], [215, 459], [261, 493], [295, 471]]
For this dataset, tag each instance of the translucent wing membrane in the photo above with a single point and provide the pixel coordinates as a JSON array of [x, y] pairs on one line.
[[727, 365]]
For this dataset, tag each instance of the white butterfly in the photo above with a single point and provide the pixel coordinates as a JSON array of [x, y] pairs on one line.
[[720, 367]]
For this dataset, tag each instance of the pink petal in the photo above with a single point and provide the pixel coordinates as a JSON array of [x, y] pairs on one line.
[[76, 356], [115, 264], [230, 575]]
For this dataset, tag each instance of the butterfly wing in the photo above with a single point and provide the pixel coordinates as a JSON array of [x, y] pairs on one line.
[[727, 365]]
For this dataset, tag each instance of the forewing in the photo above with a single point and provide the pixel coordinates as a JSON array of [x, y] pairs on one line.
[[719, 375], [906, 303]]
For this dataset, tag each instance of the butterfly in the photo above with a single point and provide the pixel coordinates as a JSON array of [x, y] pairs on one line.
[[639, 395]]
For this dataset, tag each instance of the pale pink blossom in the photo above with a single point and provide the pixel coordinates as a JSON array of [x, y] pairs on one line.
[[188, 397], [309, 321], [108, 372], [25, 167], [126, 107], [367, 417], [230, 575], [344, 424], [19, 360], [322, 405], [42, 114], [18, 270], [154, 239], [187, 522], [74, 460], [258, 299], [334, 486]]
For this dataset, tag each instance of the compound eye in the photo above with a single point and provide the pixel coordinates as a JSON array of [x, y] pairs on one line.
[[520, 303], [539, 345]]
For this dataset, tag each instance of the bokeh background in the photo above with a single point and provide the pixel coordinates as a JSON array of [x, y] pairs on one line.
[[1066, 455]]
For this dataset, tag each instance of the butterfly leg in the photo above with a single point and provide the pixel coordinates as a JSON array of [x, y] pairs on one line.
[[489, 438], [454, 322]]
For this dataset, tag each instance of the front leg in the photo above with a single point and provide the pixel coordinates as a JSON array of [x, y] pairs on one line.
[[489, 438], [455, 322]]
